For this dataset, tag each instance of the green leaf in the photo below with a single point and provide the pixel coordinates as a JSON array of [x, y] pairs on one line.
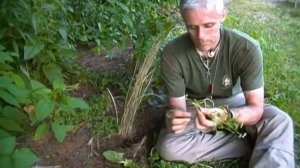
[[7, 97], [59, 85], [10, 125], [113, 156], [24, 158], [123, 6], [6, 67], [4, 134], [17, 92], [74, 102], [52, 72], [13, 113], [36, 84], [44, 108], [39, 88], [42, 130], [111, 1], [63, 33], [15, 78], [128, 21], [5, 57], [2, 47], [5, 81], [36, 21], [31, 51], [7, 145], [6, 162], [60, 129]]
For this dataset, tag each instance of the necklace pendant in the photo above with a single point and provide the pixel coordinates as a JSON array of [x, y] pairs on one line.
[[211, 54], [211, 89]]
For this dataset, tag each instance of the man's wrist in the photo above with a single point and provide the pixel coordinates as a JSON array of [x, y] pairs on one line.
[[232, 113]]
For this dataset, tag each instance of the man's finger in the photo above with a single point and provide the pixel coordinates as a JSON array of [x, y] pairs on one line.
[[178, 128], [180, 121], [205, 122], [178, 114]]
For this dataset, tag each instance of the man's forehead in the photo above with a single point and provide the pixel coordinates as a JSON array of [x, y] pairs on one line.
[[217, 5], [200, 13]]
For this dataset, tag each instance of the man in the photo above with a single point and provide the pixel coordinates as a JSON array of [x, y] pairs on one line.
[[225, 65]]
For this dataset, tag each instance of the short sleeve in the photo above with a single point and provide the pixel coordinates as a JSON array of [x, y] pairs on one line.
[[172, 74], [252, 69]]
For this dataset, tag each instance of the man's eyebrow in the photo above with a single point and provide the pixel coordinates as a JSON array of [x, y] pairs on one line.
[[192, 24]]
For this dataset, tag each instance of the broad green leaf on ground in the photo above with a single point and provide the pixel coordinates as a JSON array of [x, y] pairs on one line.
[[5, 81], [53, 72], [24, 158], [13, 113], [44, 108], [4, 134], [39, 89], [74, 102], [42, 130], [114, 157], [59, 85], [17, 92], [31, 51], [15, 79], [10, 125], [6, 162], [5, 57], [36, 84], [7, 145], [7, 97], [60, 129], [9, 81]]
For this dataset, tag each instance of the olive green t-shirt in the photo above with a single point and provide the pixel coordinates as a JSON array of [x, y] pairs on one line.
[[237, 67]]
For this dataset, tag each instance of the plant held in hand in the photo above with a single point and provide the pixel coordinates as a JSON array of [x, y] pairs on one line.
[[222, 117]]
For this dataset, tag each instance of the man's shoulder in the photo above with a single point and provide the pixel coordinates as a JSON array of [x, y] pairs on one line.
[[182, 42], [239, 37]]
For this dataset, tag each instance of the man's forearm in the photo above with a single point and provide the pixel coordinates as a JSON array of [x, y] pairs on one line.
[[248, 115]]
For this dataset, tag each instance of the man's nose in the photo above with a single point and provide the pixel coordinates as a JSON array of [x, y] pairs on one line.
[[200, 33]]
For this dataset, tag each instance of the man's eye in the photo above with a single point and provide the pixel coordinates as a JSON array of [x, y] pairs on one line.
[[209, 25], [192, 27]]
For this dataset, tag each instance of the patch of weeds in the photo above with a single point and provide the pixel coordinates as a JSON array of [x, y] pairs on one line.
[[118, 158], [119, 82], [107, 125], [97, 117]]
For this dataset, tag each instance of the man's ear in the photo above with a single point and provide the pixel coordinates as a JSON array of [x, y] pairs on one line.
[[223, 16]]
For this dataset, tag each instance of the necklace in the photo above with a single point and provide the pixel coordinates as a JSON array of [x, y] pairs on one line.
[[208, 67]]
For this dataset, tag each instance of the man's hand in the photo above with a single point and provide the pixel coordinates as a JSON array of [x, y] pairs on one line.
[[177, 120], [208, 118]]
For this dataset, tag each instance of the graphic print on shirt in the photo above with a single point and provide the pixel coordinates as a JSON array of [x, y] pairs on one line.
[[226, 82]]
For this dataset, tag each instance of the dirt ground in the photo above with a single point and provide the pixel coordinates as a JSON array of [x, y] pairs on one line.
[[80, 148]]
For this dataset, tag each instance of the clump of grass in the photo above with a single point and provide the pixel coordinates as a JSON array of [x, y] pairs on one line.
[[138, 88]]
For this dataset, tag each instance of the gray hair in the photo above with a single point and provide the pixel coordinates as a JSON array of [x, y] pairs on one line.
[[217, 5]]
